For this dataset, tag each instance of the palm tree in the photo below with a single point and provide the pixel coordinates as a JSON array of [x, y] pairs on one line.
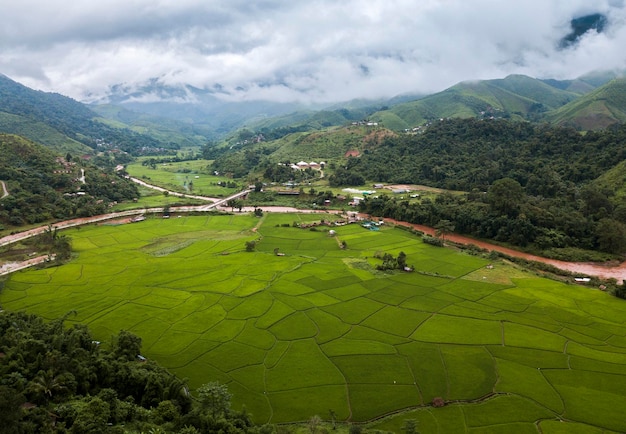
[[46, 384]]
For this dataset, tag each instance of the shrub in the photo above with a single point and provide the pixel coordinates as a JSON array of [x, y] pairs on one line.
[[432, 241]]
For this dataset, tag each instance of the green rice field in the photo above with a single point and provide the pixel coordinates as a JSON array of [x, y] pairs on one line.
[[320, 331]]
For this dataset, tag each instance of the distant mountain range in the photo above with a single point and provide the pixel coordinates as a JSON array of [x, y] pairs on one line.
[[157, 116], [515, 97]]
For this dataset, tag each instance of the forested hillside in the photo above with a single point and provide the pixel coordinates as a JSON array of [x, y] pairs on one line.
[[43, 186], [587, 103], [527, 184], [47, 118]]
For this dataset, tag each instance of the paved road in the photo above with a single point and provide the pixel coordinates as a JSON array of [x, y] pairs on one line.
[[617, 272]]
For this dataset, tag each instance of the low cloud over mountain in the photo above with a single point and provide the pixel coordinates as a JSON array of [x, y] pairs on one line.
[[320, 51]]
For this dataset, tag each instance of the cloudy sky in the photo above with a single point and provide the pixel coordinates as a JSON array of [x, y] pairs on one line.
[[292, 50]]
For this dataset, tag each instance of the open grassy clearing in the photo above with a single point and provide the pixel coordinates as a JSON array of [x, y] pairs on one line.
[[320, 329], [177, 177]]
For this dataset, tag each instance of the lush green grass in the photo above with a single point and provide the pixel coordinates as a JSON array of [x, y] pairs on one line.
[[320, 329], [178, 176]]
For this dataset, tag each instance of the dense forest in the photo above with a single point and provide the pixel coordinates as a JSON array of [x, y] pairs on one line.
[[526, 184], [55, 378], [43, 186]]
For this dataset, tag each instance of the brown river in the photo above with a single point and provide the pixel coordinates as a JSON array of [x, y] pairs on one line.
[[605, 271]]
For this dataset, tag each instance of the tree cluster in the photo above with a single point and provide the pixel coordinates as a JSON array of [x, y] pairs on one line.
[[55, 378], [526, 184], [41, 189], [390, 262]]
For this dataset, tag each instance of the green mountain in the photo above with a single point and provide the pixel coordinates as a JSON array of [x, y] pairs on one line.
[[166, 130], [516, 96], [64, 124], [598, 109]]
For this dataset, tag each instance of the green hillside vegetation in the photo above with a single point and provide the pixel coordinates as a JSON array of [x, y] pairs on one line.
[[254, 159], [41, 133], [548, 171], [319, 331], [516, 97], [63, 116], [600, 108], [559, 206], [613, 181], [175, 133], [44, 187], [59, 379]]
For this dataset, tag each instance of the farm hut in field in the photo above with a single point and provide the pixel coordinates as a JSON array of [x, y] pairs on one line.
[[332, 233]]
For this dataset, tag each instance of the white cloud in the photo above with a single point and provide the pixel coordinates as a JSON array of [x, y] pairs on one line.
[[318, 50]]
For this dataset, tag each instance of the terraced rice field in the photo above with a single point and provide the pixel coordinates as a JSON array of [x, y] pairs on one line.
[[319, 330]]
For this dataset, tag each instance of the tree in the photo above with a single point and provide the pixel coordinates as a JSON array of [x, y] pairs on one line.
[[10, 411], [127, 345], [46, 384], [92, 417], [250, 246], [401, 260], [234, 203], [443, 227], [214, 399], [505, 196], [410, 426], [611, 236]]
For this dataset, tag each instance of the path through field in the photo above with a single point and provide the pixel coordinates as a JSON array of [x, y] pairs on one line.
[[172, 193], [605, 271], [5, 192]]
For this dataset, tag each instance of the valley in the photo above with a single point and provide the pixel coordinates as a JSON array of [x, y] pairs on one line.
[[242, 270]]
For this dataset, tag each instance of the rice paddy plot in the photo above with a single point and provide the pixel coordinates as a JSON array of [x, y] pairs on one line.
[[320, 329], [458, 330], [529, 382]]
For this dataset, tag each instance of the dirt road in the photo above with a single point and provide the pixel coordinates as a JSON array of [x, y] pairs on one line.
[[605, 271], [5, 192]]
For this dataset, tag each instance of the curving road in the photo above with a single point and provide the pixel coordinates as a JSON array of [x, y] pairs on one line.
[[604, 271], [170, 192]]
